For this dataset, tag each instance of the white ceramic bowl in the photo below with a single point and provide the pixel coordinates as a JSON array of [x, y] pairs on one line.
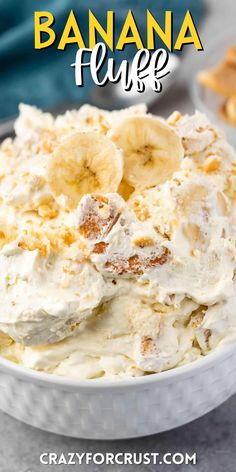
[[99, 409]]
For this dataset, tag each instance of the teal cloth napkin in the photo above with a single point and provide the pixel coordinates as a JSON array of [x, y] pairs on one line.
[[44, 77]]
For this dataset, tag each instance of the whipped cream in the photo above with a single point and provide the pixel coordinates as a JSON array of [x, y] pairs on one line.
[[115, 287]]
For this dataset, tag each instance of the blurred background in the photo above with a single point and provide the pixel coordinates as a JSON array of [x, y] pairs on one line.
[[44, 77]]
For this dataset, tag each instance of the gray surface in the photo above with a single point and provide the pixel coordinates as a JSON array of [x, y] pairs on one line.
[[212, 437]]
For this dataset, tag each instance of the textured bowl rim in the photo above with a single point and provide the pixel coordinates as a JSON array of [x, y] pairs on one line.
[[47, 379]]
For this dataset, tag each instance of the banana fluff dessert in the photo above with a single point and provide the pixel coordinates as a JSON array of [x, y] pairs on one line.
[[117, 234]]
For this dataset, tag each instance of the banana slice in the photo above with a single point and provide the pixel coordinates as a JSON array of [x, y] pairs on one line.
[[152, 150], [85, 162]]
